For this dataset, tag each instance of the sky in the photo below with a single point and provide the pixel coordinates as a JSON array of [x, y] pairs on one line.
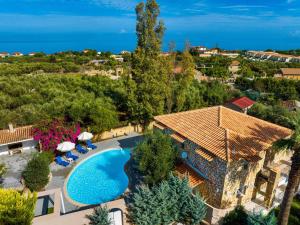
[[53, 25]]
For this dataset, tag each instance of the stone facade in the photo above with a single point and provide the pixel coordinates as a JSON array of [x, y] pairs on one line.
[[229, 184]]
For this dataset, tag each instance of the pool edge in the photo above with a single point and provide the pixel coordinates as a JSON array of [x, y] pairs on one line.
[[66, 195]]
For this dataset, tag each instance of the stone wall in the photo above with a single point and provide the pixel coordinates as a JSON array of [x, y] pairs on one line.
[[117, 132], [239, 181], [213, 171]]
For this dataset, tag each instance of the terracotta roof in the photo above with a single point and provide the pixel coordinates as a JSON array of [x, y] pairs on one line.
[[225, 133], [178, 138], [235, 63], [290, 71], [19, 134], [206, 155], [242, 102], [159, 126], [194, 178]]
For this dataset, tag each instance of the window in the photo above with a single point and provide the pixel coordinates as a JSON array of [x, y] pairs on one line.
[[15, 146]]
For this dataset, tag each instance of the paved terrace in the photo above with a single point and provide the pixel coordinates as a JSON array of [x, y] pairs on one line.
[[15, 165]]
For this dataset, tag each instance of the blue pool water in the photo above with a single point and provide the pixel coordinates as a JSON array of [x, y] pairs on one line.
[[100, 178]]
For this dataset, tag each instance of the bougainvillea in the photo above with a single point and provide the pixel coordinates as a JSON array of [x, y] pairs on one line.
[[52, 133]]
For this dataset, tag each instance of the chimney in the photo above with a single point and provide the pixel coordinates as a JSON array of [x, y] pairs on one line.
[[11, 128]]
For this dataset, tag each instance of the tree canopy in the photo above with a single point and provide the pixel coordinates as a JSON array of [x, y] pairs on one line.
[[170, 201], [16, 208], [155, 156]]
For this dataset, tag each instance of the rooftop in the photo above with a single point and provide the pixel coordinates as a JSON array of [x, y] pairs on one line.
[[224, 133], [242, 102], [235, 63], [290, 71], [17, 135], [183, 170]]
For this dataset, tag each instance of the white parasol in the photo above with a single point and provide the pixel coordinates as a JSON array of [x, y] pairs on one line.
[[65, 146], [85, 136]]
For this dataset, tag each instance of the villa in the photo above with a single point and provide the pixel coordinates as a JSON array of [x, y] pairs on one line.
[[228, 156], [290, 73]]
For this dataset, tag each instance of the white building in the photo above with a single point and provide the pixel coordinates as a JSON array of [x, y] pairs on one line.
[[16, 140]]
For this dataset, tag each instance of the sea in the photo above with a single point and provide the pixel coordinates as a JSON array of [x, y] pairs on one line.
[[51, 42]]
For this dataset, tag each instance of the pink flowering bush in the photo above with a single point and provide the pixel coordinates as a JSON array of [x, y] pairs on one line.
[[52, 133]]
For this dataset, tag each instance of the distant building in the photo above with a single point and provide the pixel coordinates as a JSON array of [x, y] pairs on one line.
[[16, 54], [96, 62], [229, 54], [32, 54], [205, 55], [234, 67], [241, 104], [118, 58], [271, 56], [165, 54], [15, 140], [290, 73], [291, 105], [198, 49], [4, 54], [125, 52]]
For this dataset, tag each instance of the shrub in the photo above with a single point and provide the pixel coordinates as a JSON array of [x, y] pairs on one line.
[[237, 216], [170, 201], [50, 134], [155, 156], [16, 208], [2, 172], [36, 173], [100, 216], [49, 156], [2, 169]]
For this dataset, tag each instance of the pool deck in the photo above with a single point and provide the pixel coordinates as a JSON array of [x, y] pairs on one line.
[[79, 217], [60, 174], [15, 165]]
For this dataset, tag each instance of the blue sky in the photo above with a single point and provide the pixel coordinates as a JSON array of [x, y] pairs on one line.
[[233, 24]]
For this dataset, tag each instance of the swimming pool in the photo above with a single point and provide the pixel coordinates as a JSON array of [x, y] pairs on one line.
[[100, 178]]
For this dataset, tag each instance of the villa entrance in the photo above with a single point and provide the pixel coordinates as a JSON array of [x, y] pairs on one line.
[[266, 184]]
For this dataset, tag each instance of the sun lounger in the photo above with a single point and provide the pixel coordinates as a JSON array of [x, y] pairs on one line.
[[90, 144], [61, 162], [71, 156], [80, 149]]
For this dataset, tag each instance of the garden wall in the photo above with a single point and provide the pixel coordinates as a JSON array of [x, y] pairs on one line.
[[121, 131]]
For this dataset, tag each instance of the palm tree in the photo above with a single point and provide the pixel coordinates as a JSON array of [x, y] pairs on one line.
[[293, 144]]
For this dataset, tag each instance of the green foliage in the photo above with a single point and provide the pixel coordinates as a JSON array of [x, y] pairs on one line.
[[155, 156], [259, 219], [99, 217], [49, 156], [170, 201], [16, 208], [275, 114], [294, 217], [2, 172], [2, 169], [149, 70], [36, 173], [238, 216], [31, 99], [283, 89]]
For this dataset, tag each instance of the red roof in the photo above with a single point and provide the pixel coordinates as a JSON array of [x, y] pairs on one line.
[[242, 102]]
